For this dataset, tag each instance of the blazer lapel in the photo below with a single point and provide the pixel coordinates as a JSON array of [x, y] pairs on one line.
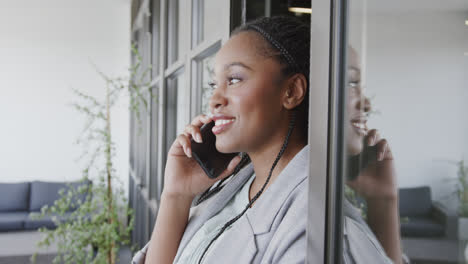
[[212, 206], [263, 213]]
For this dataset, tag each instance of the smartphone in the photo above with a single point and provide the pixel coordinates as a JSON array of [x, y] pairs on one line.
[[359, 162], [207, 156]]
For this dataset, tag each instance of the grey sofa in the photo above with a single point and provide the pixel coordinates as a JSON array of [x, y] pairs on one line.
[[424, 218], [18, 201]]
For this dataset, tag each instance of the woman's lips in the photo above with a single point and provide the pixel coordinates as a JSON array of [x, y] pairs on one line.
[[221, 124], [359, 126]]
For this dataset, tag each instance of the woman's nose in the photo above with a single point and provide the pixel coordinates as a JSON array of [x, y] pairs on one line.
[[364, 104], [217, 100]]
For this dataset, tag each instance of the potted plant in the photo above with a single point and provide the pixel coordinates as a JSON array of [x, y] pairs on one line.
[[462, 191], [97, 226]]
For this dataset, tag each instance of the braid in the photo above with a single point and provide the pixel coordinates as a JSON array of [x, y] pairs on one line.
[[278, 157], [277, 45]]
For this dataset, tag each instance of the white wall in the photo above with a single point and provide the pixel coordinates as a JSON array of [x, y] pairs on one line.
[[417, 71], [45, 49]]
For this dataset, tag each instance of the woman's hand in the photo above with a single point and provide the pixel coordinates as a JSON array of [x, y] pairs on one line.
[[378, 180], [377, 184], [183, 176]]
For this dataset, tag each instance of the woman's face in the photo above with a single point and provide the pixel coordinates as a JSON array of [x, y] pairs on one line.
[[358, 106], [246, 101]]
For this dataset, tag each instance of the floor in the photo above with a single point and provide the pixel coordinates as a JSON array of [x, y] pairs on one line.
[[18, 247], [434, 251]]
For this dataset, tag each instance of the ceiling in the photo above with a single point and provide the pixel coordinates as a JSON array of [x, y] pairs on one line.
[[404, 6]]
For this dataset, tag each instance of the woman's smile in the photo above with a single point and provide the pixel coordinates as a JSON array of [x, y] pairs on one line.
[[359, 124], [222, 123]]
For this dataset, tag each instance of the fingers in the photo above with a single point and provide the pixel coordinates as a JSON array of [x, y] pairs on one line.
[[193, 130], [373, 138], [383, 150], [201, 120], [184, 142]]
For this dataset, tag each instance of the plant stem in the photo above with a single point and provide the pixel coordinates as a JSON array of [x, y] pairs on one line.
[[110, 255]]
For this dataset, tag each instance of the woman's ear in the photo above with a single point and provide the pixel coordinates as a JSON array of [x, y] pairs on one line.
[[296, 88]]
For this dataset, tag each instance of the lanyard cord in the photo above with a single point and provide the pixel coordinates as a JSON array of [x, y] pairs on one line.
[[208, 193], [278, 157]]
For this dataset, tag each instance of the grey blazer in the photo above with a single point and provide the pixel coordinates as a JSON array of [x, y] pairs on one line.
[[272, 231]]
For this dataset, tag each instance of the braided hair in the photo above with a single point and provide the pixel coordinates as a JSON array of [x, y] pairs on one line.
[[287, 39]]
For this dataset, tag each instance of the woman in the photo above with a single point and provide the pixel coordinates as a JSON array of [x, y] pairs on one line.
[[258, 105], [376, 184], [260, 109]]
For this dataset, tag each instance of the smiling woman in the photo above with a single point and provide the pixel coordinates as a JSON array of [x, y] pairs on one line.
[[259, 109]]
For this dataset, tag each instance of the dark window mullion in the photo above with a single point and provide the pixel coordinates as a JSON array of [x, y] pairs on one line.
[[336, 148]]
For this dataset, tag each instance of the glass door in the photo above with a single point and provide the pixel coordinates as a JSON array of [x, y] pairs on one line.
[[392, 77], [408, 63]]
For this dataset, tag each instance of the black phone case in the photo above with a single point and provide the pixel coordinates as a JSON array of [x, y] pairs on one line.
[[208, 157], [360, 161]]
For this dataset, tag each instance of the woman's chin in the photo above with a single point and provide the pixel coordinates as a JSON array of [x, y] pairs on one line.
[[354, 148], [225, 148]]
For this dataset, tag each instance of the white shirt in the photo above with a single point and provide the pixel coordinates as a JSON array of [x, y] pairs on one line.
[[197, 245]]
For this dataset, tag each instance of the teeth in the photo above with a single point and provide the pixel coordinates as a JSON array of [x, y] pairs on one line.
[[221, 122], [359, 125]]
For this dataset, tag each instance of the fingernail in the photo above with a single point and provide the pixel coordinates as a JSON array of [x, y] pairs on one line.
[[199, 138], [374, 138], [189, 152]]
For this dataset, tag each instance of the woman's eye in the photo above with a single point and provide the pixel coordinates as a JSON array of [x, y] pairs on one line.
[[212, 85], [353, 84], [233, 81]]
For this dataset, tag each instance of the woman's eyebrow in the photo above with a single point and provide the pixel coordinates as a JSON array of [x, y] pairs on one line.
[[227, 66], [352, 68]]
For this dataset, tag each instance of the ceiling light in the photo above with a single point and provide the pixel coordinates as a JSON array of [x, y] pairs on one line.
[[300, 6], [466, 22], [300, 10]]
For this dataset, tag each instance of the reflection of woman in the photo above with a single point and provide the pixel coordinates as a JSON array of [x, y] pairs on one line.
[[376, 184], [259, 109]]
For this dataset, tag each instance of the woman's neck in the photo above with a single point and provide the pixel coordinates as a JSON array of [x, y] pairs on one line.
[[263, 159]]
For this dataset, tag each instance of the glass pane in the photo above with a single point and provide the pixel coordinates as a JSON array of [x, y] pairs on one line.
[[182, 103], [132, 140], [153, 185], [141, 131], [155, 23], [206, 66], [178, 33], [176, 109], [207, 23], [407, 127]]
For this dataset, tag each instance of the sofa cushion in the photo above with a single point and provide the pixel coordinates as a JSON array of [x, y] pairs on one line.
[[415, 201], [10, 221], [46, 193], [421, 227], [15, 197], [46, 221]]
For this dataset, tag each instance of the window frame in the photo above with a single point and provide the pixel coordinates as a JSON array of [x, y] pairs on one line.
[[146, 172]]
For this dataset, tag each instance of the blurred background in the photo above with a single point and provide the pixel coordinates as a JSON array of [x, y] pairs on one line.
[[414, 64]]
